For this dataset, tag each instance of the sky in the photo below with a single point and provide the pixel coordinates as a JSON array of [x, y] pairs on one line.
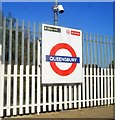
[[94, 17]]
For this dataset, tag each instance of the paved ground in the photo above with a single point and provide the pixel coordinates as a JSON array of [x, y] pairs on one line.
[[95, 112]]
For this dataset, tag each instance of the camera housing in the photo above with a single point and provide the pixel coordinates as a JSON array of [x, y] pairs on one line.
[[60, 9]]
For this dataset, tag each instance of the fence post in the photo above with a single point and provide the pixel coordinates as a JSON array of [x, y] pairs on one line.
[[79, 96], [1, 35], [38, 81], [38, 72], [1, 69], [1, 88]]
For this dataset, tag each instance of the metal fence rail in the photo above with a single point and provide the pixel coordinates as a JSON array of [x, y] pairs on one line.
[[20, 88]]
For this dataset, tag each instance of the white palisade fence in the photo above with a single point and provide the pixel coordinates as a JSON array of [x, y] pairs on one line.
[[21, 91]]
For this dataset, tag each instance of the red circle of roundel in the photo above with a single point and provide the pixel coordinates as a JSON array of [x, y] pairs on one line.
[[53, 64]]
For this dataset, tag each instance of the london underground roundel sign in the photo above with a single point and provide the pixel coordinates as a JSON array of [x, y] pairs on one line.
[[59, 50], [53, 59]]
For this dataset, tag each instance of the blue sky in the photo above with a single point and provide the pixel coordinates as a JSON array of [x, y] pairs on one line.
[[95, 17]]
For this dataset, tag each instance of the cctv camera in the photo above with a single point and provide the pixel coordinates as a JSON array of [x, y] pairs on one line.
[[60, 9]]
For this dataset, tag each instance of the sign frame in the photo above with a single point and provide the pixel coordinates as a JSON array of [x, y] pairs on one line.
[[50, 71]]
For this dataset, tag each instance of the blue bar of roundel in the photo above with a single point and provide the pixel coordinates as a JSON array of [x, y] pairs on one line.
[[55, 60]]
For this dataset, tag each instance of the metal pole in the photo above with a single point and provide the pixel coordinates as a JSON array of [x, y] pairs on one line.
[[56, 2], [55, 12], [1, 32], [55, 17]]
